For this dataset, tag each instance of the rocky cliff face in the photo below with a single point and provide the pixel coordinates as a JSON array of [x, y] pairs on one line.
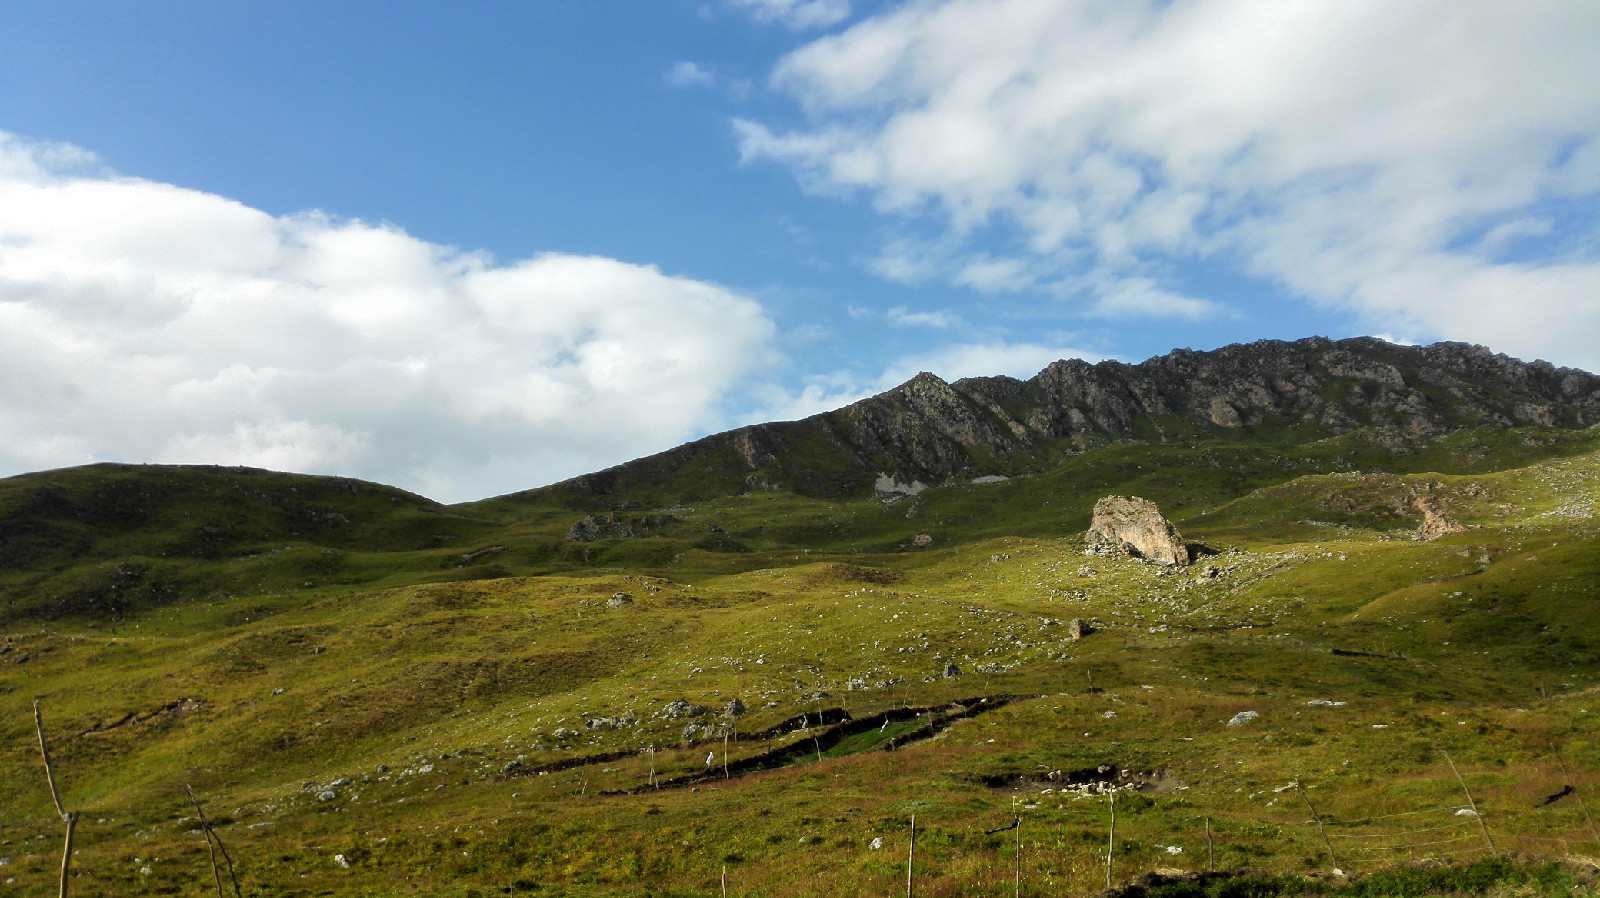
[[930, 430]]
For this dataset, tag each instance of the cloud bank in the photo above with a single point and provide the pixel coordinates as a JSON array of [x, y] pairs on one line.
[[1410, 163], [141, 321]]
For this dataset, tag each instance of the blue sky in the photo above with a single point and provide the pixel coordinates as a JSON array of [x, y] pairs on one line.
[[472, 248]]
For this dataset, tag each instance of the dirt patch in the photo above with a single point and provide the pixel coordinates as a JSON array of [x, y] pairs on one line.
[[853, 573], [170, 711], [1087, 780]]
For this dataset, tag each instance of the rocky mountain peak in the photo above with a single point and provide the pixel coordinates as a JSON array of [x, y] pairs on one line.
[[929, 430]]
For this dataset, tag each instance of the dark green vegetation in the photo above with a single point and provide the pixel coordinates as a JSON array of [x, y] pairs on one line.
[[378, 695]]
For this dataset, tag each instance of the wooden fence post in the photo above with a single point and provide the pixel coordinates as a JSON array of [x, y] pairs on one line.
[[1477, 815], [1111, 837], [70, 818], [1320, 830], [911, 854], [213, 843]]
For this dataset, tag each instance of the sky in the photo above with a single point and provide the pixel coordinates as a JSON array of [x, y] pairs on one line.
[[473, 248]]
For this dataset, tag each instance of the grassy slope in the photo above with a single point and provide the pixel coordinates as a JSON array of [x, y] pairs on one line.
[[423, 692]]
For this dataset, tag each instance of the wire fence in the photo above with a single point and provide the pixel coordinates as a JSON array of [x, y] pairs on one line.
[[1057, 838]]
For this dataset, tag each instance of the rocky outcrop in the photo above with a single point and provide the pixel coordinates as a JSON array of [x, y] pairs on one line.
[[1136, 526], [930, 431], [1435, 523], [613, 526]]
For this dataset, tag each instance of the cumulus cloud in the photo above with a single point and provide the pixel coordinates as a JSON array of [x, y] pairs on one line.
[[797, 15], [141, 321], [688, 74], [1348, 152]]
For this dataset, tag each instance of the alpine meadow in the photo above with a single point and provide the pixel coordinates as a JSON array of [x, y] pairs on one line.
[[751, 661], [800, 449]]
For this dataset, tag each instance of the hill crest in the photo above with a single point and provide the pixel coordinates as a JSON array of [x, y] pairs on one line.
[[935, 431]]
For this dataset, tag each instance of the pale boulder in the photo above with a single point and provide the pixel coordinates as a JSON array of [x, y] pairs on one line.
[[1136, 526]]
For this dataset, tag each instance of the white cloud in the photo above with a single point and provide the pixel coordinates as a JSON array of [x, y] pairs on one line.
[[687, 74], [1348, 152], [900, 316], [143, 321], [797, 15], [1140, 297], [987, 275]]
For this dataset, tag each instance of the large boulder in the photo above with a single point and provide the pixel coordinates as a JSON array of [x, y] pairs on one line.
[[1136, 526]]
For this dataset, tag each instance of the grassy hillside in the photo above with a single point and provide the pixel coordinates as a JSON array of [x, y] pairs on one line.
[[510, 711]]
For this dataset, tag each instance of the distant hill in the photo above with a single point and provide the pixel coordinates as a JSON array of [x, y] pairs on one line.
[[931, 431], [103, 539], [107, 541]]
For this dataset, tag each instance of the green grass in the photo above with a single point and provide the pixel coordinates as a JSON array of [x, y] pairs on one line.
[[426, 671]]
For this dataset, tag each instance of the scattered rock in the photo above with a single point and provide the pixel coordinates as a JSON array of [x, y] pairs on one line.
[[1324, 703], [678, 709], [734, 708], [1136, 526], [613, 526], [1085, 571], [876, 843], [608, 723], [342, 861], [1209, 573], [1242, 718], [563, 733], [1077, 629], [951, 671], [619, 599], [922, 540]]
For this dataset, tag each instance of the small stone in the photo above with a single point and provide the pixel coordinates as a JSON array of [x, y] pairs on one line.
[[1242, 718], [951, 671], [876, 843], [1077, 629], [922, 540], [734, 708], [342, 861]]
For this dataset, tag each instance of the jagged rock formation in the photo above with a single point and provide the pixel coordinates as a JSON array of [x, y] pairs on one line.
[[1136, 526], [931, 431]]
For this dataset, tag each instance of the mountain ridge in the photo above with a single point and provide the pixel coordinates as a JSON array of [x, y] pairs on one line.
[[927, 429]]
